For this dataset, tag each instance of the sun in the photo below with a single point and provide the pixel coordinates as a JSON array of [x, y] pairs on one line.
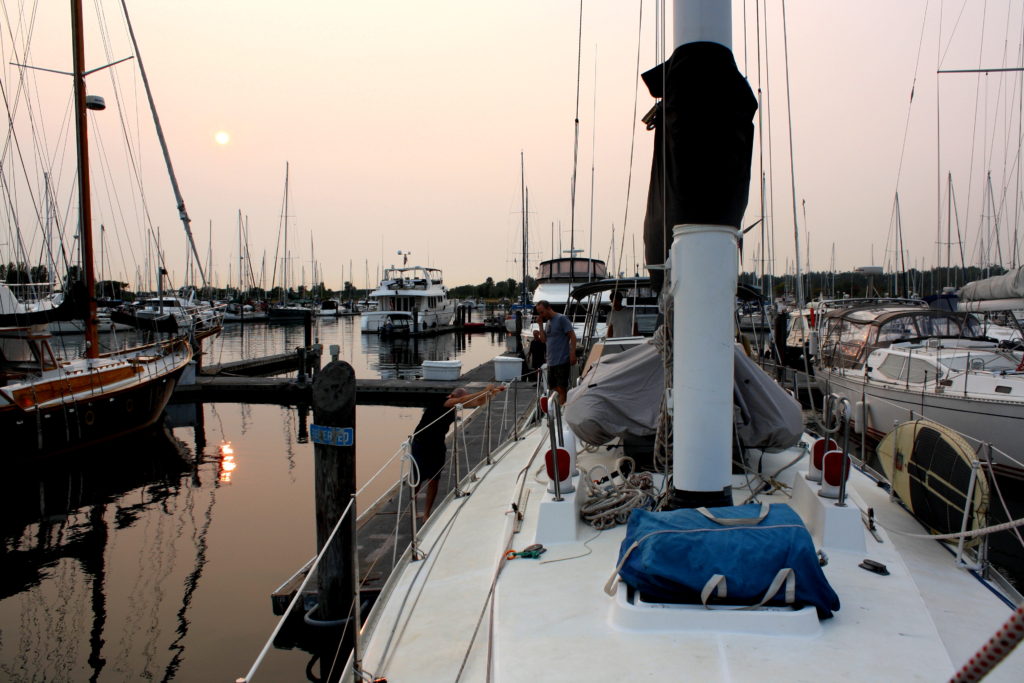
[[222, 138]]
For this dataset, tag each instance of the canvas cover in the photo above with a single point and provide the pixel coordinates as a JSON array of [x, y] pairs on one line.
[[622, 395], [703, 139], [1007, 286], [673, 557]]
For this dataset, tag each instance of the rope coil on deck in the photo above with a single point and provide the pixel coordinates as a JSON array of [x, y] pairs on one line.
[[610, 504]]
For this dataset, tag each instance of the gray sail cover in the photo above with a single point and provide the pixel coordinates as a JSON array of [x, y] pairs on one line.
[[1007, 286], [622, 395]]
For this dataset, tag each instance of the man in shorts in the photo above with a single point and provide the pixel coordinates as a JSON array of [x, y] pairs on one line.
[[428, 447], [556, 331]]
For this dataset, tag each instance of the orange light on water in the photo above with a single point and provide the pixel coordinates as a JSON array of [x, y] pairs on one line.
[[228, 464]]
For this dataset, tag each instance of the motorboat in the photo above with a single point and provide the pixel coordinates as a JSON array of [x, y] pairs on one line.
[[415, 294]]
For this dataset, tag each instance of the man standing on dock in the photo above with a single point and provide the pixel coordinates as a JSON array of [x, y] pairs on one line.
[[428, 447], [560, 338]]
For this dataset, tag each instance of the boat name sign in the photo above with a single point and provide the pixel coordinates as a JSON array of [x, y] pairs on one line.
[[332, 436]]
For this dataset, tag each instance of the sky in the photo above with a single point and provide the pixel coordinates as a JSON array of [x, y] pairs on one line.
[[403, 123]]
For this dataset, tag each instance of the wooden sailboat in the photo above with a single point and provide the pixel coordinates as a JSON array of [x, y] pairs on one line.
[[50, 404]]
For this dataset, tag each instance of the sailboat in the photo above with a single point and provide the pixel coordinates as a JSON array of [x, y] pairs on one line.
[[284, 311], [520, 578], [50, 404]]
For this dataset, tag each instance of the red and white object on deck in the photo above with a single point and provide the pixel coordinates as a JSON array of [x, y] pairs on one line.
[[818, 450], [833, 463]]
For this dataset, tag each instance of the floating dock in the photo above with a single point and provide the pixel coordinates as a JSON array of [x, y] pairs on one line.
[[235, 384]]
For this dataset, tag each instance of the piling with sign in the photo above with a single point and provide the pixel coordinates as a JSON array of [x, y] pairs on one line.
[[333, 436]]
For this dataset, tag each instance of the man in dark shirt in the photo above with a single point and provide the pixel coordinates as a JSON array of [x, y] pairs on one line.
[[428, 447], [556, 331]]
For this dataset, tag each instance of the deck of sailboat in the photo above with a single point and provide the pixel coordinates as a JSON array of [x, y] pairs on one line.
[[552, 619]]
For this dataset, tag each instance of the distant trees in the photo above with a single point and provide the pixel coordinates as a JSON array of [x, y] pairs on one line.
[[489, 289]]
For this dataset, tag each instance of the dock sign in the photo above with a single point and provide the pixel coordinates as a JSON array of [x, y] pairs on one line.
[[332, 436]]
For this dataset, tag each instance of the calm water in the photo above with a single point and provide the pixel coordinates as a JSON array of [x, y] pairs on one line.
[[148, 559]]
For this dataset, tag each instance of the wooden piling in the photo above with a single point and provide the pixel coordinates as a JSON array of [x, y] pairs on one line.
[[334, 406]]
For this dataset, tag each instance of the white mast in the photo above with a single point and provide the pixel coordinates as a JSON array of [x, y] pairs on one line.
[[704, 262]]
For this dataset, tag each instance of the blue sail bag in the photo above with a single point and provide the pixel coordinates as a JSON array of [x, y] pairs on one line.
[[742, 555]]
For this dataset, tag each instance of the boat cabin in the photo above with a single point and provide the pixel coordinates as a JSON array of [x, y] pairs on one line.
[[24, 352], [572, 269], [850, 335]]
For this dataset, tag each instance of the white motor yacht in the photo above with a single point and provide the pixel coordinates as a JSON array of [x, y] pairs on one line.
[[413, 297]]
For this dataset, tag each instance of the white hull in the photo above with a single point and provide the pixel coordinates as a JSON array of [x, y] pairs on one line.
[[372, 321], [979, 420]]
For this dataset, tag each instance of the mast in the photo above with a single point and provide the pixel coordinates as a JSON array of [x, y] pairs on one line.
[[182, 211], [92, 342], [704, 261], [522, 184], [240, 278], [284, 275]]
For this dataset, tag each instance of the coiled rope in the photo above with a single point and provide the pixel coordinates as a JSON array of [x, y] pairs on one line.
[[610, 504]]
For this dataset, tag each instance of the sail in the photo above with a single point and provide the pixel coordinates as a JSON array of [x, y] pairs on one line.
[[703, 140], [72, 307], [1006, 286]]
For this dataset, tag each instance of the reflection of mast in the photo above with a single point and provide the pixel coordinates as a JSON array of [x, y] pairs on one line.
[[93, 564], [192, 581]]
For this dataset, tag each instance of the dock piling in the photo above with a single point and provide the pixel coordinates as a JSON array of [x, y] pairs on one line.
[[334, 406]]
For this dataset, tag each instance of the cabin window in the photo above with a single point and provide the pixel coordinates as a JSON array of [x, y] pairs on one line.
[[897, 329], [920, 371], [938, 326], [892, 366]]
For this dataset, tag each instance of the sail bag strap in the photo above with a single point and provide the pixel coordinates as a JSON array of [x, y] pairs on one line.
[[728, 521]]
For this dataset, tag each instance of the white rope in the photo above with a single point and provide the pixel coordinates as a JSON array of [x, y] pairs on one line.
[[409, 473], [985, 531], [610, 505]]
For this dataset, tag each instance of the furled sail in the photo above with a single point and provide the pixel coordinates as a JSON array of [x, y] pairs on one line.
[[702, 145], [1006, 286]]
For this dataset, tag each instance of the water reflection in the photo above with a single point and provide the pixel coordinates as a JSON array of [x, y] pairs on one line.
[[154, 557]]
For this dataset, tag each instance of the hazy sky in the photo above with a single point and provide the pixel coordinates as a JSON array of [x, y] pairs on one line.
[[403, 124]]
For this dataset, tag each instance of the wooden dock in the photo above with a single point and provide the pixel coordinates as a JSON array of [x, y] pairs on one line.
[[240, 388]]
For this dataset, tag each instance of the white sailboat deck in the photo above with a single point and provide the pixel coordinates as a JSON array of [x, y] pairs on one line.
[[552, 620]]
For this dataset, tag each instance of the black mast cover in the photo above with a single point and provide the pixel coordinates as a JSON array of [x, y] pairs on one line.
[[704, 126]]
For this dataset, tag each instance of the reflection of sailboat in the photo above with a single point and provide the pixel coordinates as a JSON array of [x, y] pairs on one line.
[[50, 404], [74, 514]]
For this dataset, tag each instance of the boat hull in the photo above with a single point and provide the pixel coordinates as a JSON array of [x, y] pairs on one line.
[[373, 321], [999, 423], [68, 426]]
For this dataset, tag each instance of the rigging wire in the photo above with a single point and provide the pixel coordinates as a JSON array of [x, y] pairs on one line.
[[792, 164], [632, 137], [576, 142]]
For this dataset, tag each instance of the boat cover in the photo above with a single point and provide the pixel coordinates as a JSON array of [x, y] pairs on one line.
[[675, 556], [703, 139], [1006, 286], [73, 306], [622, 395]]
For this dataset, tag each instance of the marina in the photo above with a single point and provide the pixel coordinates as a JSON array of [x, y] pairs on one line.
[[447, 406]]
